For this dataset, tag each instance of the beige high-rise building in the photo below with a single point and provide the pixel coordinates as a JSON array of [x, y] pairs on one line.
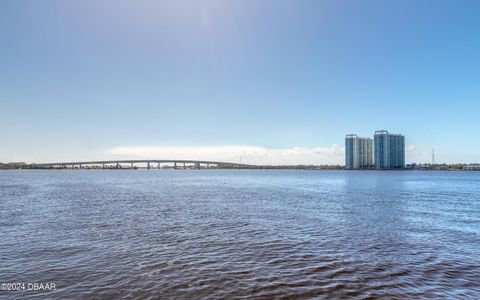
[[358, 152]]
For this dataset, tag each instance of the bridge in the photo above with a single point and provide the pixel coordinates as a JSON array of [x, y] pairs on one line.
[[146, 163]]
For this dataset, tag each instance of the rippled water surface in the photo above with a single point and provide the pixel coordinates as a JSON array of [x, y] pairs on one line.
[[162, 234]]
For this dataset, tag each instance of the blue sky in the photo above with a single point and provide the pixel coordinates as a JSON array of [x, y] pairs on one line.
[[272, 81]]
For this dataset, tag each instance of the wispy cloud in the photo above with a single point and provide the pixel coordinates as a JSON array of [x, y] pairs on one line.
[[245, 154], [411, 148]]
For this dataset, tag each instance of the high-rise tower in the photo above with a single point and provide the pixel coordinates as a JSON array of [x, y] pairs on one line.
[[389, 150], [358, 152]]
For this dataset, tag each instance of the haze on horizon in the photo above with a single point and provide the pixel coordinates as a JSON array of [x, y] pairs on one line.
[[267, 82]]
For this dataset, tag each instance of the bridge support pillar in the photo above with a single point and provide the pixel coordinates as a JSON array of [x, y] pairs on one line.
[[148, 165], [103, 166], [132, 166], [175, 165], [159, 165]]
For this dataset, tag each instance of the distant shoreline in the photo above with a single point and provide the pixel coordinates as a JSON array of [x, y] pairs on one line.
[[286, 167]]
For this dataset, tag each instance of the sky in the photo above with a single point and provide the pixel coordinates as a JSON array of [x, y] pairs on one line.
[[267, 82]]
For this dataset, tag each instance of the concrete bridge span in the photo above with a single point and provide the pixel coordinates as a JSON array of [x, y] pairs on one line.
[[145, 163]]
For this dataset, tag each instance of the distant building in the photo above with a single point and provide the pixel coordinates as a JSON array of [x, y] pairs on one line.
[[389, 150], [472, 167], [358, 152]]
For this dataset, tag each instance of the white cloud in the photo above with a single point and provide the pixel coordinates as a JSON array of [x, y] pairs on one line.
[[246, 154], [411, 148]]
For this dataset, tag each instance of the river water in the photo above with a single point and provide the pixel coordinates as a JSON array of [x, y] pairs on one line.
[[224, 234]]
